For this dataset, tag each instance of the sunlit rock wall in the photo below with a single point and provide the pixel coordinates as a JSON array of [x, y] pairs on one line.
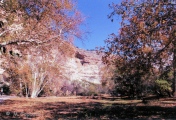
[[85, 66]]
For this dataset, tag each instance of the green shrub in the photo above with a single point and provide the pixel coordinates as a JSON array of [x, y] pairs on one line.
[[163, 86]]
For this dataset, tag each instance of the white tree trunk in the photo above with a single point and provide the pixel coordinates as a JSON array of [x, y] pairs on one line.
[[38, 83]]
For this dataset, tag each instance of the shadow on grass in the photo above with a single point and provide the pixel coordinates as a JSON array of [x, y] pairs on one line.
[[84, 110], [116, 111], [10, 110], [12, 115]]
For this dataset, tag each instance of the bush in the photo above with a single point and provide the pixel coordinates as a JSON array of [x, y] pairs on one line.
[[163, 86], [46, 92]]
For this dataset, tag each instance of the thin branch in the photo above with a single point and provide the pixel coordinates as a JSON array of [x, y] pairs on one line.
[[3, 32]]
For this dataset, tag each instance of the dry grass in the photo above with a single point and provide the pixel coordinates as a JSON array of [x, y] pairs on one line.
[[83, 108]]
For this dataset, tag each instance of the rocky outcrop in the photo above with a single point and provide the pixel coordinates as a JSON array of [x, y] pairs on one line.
[[85, 66], [81, 66]]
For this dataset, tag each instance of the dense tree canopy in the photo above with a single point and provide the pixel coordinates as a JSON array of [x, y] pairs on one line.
[[146, 40], [39, 21]]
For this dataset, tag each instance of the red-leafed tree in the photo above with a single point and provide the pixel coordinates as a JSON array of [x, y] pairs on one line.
[[146, 40]]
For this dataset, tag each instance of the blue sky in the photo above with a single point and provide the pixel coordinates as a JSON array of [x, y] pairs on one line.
[[97, 23]]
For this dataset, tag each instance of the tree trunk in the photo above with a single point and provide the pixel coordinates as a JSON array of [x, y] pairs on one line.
[[174, 68], [21, 89], [34, 94], [26, 89]]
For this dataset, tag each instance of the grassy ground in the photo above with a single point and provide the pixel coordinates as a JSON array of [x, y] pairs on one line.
[[64, 108]]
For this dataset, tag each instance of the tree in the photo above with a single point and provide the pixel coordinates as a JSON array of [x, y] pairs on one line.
[[34, 27], [146, 39], [36, 72], [38, 21], [39, 76], [107, 83]]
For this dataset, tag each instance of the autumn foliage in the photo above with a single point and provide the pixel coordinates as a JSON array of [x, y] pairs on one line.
[[42, 32], [145, 42], [39, 21]]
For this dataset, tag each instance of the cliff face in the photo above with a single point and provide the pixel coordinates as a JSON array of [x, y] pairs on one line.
[[84, 66]]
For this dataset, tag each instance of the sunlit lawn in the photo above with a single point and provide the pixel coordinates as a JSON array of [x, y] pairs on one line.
[[55, 108]]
